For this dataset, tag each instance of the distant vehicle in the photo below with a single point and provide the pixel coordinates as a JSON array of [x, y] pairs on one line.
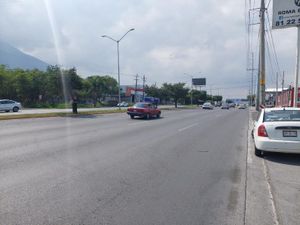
[[123, 104], [144, 110], [232, 105], [218, 104], [225, 106], [277, 130], [242, 106], [9, 105], [207, 105]]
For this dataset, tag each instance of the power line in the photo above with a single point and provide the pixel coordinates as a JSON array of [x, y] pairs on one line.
[[272, 42], [268, 4], [270, 60]]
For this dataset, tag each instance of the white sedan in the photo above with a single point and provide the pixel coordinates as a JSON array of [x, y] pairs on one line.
[[277, 130], [9, 105], [207, 105]]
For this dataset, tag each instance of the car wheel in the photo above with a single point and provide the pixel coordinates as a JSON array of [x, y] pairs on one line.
[[15, 109], [147, 116], [259, 153], [158, 115], [132, 116]]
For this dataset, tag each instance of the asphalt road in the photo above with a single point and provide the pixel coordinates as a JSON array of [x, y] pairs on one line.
[[27, 111], [187, 168]]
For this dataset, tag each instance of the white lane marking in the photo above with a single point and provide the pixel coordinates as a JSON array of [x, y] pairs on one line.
[[268, 179], [188, 127]]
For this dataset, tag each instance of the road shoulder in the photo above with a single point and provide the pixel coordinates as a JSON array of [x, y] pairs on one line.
[[259, 202]]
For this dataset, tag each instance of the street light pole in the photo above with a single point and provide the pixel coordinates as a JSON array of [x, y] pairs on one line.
[[118, 53], [192, 91], [119, 79], [191, 87]]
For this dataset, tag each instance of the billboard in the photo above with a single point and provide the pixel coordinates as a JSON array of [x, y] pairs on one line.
[[199, 81], [286, 13]]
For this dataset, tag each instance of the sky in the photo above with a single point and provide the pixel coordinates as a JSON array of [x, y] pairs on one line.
[[173, 40]]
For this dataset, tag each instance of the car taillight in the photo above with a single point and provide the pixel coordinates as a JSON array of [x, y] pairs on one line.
[[262, 132]]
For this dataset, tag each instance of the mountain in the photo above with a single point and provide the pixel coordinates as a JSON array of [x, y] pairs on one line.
[[14, 58]]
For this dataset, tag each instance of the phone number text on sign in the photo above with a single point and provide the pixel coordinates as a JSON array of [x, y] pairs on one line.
[[286, 13], [288, 22]]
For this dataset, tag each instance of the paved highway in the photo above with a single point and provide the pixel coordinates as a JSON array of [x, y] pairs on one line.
[[186, 168], [68, 110]]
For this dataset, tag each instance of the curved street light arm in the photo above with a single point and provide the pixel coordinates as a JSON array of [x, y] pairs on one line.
[[105, 36], [132, 29]]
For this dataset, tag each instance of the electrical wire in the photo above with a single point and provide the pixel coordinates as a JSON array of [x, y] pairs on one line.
[[272, 42]]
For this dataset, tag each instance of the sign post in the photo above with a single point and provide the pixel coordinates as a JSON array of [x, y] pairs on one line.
[[287, 14], [297, 69]]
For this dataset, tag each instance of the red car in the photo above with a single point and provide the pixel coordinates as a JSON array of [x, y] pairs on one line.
[[144, 109]]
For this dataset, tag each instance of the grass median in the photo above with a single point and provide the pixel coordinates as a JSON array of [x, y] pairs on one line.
[[61, 114], [80, 114]]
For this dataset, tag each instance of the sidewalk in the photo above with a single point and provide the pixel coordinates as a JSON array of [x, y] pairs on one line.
[[273, 186]]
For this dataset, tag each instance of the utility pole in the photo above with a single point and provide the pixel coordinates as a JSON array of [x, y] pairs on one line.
[[136, 80], [252, 79], [262, 66], [297, 70], [282, 87], [258, 88], [282, 82], [144, 81], [276, 95]]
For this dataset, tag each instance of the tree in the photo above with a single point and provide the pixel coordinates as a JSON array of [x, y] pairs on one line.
[[217, 98], [110, 86], [198, 96], [97, 87], [154, 91], [175, 91], [73, 83]]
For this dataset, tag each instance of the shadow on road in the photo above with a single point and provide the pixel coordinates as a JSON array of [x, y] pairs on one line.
[[78, 116], [143, 119], [289, 159]]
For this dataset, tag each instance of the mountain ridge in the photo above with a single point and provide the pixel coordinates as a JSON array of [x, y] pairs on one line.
[[15, 58]]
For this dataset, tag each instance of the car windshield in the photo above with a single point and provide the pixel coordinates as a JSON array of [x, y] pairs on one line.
[[141, 105], [282, 115]]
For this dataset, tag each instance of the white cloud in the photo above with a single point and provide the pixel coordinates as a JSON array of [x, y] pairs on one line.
[[172, 37]]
